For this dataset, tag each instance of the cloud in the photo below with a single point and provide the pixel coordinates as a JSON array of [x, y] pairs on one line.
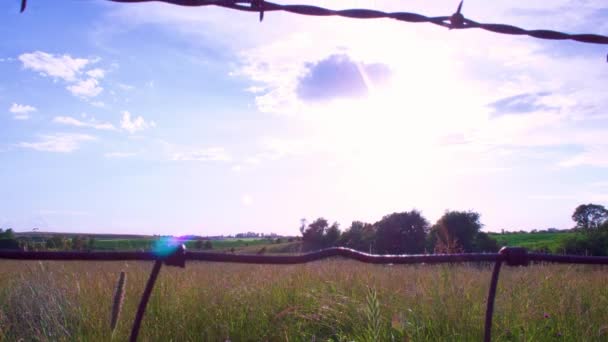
[[135, 124], [199, 154], [85, 88], [521, 103], [68, 69], [61, 142], [68, 120], [96, 73], [119, 154], [64, 67], [339, 76], [21, 112]]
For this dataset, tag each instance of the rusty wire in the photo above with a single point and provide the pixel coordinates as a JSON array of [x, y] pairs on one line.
[[512, 256], [454, 21]]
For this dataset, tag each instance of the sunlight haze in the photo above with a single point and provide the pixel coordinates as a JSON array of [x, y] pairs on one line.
[[158, 119]]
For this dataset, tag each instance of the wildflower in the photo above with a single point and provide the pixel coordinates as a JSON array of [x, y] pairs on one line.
[[546, 315]]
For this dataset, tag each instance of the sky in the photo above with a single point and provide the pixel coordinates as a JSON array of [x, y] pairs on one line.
[[158, 119]]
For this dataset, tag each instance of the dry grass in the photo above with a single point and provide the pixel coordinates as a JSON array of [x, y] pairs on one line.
[[333, 300]]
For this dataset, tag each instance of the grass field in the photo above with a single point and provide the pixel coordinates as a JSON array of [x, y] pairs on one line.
[[334, 300], [533, 241], [147, 243]]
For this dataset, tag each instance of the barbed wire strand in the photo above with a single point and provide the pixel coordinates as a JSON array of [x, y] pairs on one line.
[[455, 21], [512, 256]]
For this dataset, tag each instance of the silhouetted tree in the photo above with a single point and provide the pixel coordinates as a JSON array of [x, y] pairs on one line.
[[359, 236], [312, 235], [332, 235], [319, 234], [458, 229], [400, 233], [589, 216]]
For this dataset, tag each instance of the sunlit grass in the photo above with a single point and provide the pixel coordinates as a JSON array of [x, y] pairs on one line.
[[334, 300]]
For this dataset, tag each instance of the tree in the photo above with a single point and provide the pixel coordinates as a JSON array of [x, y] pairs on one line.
[[589, 217], [78, 243], [401, 233], [91, 244], [319, 234], [7, 234], [208, 245], [332, 235], [457, 230], [312, 235], [359, 236], [57, 242], [198, 244]]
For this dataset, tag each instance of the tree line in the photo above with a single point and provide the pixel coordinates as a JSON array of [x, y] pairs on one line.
[[403, 233], [455, 232]]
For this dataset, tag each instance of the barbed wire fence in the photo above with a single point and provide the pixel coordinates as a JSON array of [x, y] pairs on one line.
[[455, 21], [512, 256]]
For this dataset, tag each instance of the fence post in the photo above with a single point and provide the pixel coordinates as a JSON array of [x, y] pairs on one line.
[[513, 256], [177, 258]]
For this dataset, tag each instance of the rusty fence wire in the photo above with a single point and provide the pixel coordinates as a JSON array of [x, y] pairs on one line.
[[512, 256]]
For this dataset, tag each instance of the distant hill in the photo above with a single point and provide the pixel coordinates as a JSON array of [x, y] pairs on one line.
[[39, 234]]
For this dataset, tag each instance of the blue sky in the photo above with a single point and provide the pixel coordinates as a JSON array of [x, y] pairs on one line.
[[158, 119]]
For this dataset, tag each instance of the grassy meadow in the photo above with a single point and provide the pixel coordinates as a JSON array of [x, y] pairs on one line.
[[332, 300], [533, 241]]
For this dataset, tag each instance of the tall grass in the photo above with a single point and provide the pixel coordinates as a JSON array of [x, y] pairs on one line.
[[334, 300]]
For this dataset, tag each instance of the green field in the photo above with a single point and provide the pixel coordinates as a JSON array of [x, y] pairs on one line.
[[333, 300], [148, 243], [533, 241]]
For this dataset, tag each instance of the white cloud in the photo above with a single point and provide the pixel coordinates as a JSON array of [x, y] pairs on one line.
[[199, 154], [61, 142], [68, 120], [68, 69], [96, 73], [64, 67], [99, 104], [135, 124], [21, 112], [85, 88], [119, 154]]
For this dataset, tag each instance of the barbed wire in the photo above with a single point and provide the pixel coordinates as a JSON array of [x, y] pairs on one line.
[[454, 21], [177, 256]]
